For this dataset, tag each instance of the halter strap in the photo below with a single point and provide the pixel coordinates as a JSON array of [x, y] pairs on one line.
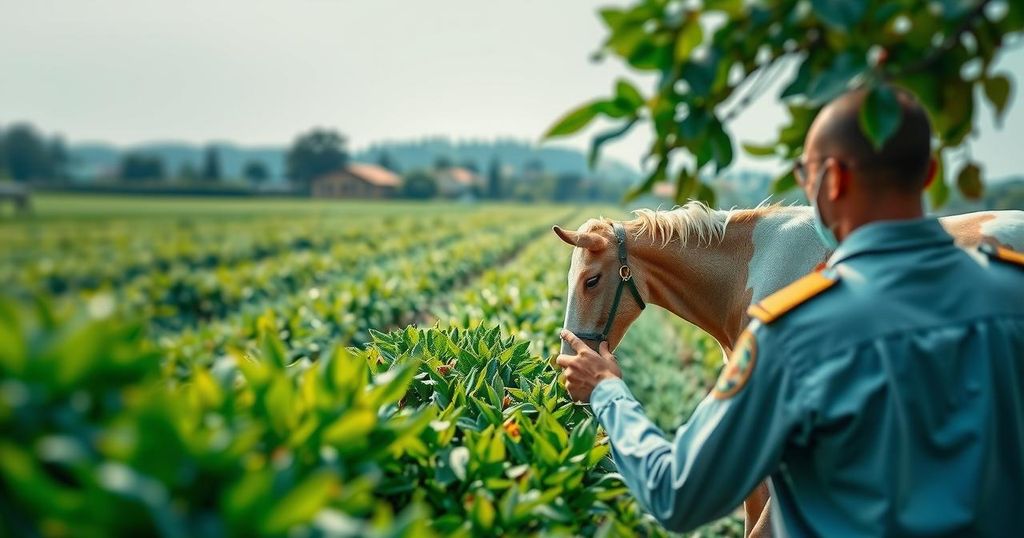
[[626, 280]]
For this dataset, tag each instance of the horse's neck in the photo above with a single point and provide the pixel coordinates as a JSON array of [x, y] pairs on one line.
[[711, 285], [786, 247]]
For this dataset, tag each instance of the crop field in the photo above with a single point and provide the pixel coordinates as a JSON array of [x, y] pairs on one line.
[[186, 367]]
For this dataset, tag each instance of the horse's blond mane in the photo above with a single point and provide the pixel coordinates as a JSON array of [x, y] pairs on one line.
[[692, 220]]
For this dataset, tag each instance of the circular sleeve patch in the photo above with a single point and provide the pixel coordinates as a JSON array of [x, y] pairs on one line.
[[741, 364]]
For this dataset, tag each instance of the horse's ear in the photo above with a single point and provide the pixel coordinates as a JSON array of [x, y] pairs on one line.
[[564, 235], [588, 240]]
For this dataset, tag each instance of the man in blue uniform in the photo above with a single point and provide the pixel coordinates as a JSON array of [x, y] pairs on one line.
[[883, 395]]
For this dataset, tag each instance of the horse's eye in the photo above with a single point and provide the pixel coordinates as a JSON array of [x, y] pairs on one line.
[[592, 281]]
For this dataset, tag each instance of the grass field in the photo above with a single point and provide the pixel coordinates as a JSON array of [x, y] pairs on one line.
[[225, 366]]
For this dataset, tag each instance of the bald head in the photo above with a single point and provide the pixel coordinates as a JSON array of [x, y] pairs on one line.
[[902, 164]]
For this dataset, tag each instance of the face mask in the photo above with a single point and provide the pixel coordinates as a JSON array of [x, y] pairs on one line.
[[827, 236]]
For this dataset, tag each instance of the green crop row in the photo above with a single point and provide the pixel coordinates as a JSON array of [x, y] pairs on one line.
[[525, 297], [378, 296], [59, 263], [179, 299]]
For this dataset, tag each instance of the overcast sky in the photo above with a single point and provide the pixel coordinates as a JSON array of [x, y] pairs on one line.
[[257, 72]]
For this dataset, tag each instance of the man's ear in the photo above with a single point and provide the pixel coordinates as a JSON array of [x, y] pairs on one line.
[[588, 240], [933, 169], [837, 179]]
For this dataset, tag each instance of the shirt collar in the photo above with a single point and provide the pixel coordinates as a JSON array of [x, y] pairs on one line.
[[890, 235]]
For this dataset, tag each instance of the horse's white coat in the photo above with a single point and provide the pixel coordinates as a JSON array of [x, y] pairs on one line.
[[1007, 228], [785, 247]]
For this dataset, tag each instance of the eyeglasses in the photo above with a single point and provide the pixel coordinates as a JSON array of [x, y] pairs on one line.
[[800, 169]]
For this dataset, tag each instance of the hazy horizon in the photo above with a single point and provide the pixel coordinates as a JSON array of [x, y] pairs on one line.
[[256, 74]]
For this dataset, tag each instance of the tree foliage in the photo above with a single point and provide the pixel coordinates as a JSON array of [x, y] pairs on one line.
[[419, 185], [211, 165], [316, 153], [26, 155], [137, 166], [256, 172], [494, 179], [713, 58]]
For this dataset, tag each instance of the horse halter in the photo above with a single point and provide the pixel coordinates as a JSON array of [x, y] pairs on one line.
[[626, 276]]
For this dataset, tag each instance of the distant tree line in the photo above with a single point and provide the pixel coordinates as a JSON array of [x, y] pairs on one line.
[[322, 151], [28, 155]]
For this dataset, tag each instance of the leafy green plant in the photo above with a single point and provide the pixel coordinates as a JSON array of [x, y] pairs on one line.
[[713, 58], [458, 432]]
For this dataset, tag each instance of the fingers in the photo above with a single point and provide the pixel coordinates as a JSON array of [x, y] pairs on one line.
[[574, 341], [565, 360], [605, 352]]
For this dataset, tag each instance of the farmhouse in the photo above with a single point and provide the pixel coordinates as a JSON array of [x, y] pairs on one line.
[[17, 194], [357, 180], [456, 182]]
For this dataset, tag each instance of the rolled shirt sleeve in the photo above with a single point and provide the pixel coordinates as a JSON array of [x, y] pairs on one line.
[[726, 448]]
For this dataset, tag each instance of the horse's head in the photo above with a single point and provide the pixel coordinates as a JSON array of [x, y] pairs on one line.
[[603, 298]]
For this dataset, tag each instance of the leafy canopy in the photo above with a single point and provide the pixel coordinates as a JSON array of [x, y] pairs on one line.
[[712, 58]]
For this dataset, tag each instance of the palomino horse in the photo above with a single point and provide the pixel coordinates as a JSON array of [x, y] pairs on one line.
[[707, 266]]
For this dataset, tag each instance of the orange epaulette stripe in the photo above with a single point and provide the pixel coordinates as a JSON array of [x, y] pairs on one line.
[[1004, 254], [777, 304]]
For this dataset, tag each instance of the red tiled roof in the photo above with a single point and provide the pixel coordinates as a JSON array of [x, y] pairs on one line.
[[461, 175], [375, 175]]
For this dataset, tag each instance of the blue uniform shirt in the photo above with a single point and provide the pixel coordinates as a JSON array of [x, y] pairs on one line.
[[891, 403]]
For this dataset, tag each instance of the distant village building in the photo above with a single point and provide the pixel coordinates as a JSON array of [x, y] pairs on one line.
[[457, 182], [17, 194], [357, 180]]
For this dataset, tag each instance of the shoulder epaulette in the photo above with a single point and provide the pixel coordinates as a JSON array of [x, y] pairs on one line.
[[1003, 254], [779, 303]]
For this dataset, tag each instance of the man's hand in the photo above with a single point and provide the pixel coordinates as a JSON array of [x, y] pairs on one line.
[[587, 368]]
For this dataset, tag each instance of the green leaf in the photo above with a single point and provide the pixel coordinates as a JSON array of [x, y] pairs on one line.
[[880, 116], [834, 81], [784, 183], [759, 151], [607, 136], [273, 349], [694, 126], [707, 195], [648, 184], [686, 184], [721, 147], [628, 94], [997, 90], [582, 438], [938, 191], [800, 82], [483, 513], [351, 429], [842, 15], [701, 75], [730, 7], [690, 37], [612, 17], [300, 504], [279, 405], [390, 386], [573, 121], [969, 181]]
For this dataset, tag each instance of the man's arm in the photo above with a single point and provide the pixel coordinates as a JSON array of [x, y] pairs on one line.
[[732, 441]]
